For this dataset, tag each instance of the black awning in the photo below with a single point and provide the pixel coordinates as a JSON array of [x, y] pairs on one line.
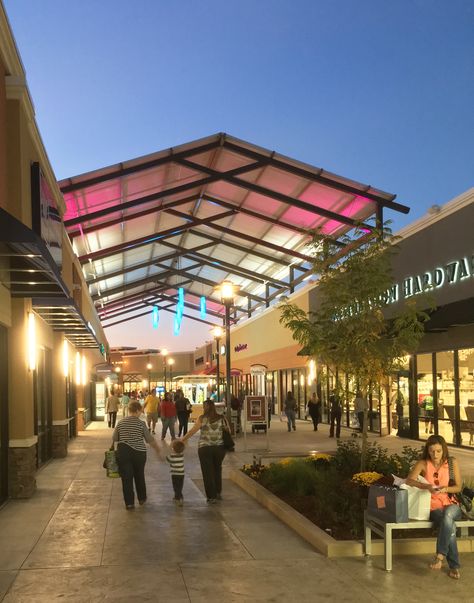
[[31, 268], [457, 314], [62, 314]]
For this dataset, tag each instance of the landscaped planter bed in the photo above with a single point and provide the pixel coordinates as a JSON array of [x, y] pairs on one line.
[[321, 540]]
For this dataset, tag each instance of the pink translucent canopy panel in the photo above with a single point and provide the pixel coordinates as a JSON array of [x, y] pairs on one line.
[[92, 199], [358, 209], [276, 180], [302, 218]]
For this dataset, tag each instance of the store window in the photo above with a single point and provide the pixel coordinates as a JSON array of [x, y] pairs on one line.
[[400, 400], [425, 399], [446, 398], [466, 396]]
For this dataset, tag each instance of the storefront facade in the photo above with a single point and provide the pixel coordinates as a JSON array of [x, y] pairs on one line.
[[437, 383], [434, 392], [50, 335]]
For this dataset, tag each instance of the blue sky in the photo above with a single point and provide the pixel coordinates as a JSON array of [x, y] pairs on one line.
[[381, 92]]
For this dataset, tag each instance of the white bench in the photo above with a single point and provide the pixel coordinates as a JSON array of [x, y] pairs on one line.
[[383, 529]]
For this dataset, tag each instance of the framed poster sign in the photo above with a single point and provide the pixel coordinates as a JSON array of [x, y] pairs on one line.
[[255, 409]]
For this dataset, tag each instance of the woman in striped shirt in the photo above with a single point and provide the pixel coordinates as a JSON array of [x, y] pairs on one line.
[[131, 433]]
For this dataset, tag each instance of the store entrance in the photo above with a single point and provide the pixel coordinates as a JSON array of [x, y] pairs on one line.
[[3, 415]]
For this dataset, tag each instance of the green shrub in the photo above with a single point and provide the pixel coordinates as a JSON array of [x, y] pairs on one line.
[[331, 500]]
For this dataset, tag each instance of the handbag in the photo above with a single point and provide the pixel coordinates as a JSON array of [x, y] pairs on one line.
[[227, 439], [110, 464], [388, 504], [463, 498]]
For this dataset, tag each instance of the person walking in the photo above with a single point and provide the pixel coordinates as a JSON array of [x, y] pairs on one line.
[[130, 435], [335, 406], [314, 410], [359, 406], [111, 407], [434, 466], [290, 410], [211, 449], [168, 416], [125, 400], [176, 463], [151, 406], [183, 410]]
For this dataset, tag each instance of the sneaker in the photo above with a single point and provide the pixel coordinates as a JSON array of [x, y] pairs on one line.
[[129, 507], [179, 502], [218, 497], [142, 502], [211, 501]]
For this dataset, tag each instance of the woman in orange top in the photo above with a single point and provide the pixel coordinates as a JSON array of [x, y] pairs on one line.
[[434, 467]]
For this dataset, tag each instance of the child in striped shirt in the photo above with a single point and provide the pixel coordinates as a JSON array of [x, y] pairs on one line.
[[176, 462]]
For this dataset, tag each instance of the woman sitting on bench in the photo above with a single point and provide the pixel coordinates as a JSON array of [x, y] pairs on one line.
[[434, 467]]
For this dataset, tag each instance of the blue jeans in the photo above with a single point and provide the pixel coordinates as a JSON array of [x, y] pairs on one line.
[[291, 416], [446, 544]]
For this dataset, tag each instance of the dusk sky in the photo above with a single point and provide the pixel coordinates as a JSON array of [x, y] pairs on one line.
[[381, 92]]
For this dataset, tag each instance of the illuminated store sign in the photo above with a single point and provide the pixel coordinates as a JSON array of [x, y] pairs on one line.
[[449, 274]]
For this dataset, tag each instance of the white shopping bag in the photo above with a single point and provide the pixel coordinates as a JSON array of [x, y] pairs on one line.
[[419, 502]]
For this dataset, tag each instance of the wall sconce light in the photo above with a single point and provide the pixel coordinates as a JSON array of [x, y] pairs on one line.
[[78, 368], [31, 342], [83, 370]]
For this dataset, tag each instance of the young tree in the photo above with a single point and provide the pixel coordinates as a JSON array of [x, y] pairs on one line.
[[348, 328]]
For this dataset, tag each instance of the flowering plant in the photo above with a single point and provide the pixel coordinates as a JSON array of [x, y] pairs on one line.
[[366, 478], [254, 470], [320, 456]]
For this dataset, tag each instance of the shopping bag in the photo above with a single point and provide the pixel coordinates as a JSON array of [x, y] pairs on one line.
[[388, 504], [283, 417], [419, 502], [110, 464]]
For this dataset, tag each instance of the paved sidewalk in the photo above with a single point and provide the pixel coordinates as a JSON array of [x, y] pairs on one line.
[[74, 541]]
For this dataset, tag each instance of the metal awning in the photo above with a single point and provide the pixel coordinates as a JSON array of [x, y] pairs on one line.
[[214, 209], [62, 314], [31, 270]]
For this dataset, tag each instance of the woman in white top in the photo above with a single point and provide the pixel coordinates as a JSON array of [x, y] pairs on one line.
[[211, 449]]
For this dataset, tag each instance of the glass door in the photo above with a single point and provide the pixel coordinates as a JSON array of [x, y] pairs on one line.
[[3, 415], [466, 396]]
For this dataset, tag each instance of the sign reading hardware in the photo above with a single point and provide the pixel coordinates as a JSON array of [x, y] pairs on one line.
[[450, 274]]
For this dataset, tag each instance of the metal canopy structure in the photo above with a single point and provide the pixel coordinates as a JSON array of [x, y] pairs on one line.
[[32, 272], [192, 216]]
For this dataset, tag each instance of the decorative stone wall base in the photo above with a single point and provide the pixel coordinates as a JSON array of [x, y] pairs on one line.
[[21, 472], [60, 440], [324, 543]]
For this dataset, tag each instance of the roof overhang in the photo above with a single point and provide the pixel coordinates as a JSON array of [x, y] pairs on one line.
[[31, 269], [62, 314], [210, 210]]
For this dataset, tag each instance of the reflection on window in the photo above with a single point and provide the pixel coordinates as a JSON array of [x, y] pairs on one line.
[[425, 395], [446, 398], [466, 395]]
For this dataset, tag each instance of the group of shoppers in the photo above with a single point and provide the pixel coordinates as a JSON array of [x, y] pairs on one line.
[[441, 473], [131, 435], [167, 408]]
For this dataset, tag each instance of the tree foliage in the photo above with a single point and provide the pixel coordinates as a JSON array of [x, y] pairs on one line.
[[348, 328]]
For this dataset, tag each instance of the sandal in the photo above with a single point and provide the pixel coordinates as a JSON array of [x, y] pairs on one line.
[[436, 563], [454, 574]]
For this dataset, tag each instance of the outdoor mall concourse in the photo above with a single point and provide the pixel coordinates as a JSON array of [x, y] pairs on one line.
[[214, 231]]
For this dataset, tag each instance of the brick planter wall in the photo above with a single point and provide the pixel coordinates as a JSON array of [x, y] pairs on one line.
[[21, 472], [60, 440]]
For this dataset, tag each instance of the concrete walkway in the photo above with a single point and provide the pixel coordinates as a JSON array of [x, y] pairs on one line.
[[74, 541]]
